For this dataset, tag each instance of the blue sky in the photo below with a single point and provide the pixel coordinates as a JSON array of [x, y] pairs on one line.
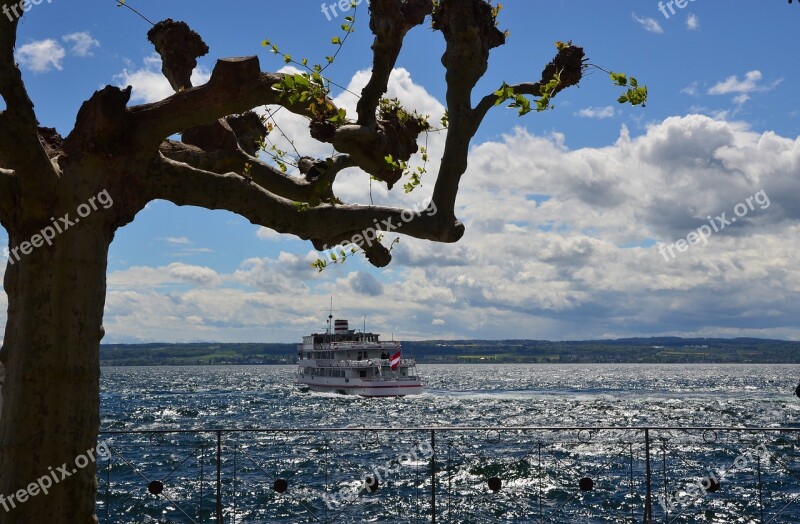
[[570, 214]]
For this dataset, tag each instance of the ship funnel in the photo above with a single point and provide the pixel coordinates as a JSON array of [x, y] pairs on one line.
[[340, 326]]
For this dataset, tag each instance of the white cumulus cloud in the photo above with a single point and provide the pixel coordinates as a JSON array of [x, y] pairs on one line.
[[749, 84], [597, 112], [41, 56], [82, 43], [149, 84], [649, 24]]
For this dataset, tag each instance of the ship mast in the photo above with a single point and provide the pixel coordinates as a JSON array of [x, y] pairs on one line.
[[330, 318]]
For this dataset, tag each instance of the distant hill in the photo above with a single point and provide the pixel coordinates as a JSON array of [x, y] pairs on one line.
[[204, 353], [628, 350]]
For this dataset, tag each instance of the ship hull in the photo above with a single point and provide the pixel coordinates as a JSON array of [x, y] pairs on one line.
[[387, 388]]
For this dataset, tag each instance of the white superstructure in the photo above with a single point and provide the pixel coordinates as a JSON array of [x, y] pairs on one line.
[[355, 363]]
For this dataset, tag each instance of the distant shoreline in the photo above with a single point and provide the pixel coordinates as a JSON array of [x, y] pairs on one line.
[[656, 350]]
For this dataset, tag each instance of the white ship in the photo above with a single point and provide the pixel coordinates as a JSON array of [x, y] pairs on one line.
[[355, 363]]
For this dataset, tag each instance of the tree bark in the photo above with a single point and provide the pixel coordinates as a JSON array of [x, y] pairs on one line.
[[50, 411]]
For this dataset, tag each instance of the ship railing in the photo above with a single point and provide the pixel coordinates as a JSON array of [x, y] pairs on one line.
[[363, 345], [389, 377], [374, 362], [509, 474]]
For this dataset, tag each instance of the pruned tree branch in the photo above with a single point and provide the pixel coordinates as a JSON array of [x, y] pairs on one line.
[[237, 85], [19, 138], [466, 60], [568, 64], [469, 30], [489, 101], [183, 184], [316, 183], [179, 48], [390, 21]]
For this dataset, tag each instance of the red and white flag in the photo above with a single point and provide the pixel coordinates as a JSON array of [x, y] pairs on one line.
[[394, 361]]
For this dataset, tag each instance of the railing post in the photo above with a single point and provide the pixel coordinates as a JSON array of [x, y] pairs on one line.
[[541, 478], [202, 479], [648, 500], [433, 476], [664, 473], [760, 491], [219, 476], [108, 484]]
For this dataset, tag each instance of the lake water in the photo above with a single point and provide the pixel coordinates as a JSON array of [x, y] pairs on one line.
[[539, 471]]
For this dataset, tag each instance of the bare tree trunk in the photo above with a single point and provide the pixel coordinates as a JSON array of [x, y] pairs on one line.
[[50, 409]]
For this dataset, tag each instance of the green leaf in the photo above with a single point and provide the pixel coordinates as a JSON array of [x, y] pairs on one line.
[[504, 93], [523, 104], [561, 45], [319, 264], [619, 79]]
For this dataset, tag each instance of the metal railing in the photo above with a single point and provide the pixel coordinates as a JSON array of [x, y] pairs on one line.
[[372, 363], [452, 475]]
